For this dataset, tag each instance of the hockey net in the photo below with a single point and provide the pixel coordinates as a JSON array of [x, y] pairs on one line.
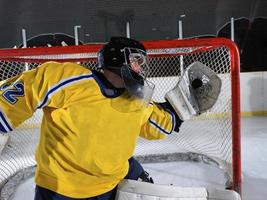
[[211, 137]]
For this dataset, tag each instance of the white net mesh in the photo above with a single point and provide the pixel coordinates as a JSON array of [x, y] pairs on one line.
[[209, 135]]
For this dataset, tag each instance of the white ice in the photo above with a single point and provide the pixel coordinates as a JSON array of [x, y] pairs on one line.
[[254, 167]]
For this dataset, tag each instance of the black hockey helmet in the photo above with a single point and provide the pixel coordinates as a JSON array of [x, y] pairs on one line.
[[112, 55], [127, 58]]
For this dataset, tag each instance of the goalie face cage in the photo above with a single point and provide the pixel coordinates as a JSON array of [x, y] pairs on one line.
[[214, 136]]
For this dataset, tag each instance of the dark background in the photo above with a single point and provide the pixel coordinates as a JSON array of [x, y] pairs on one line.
[[149, 20]]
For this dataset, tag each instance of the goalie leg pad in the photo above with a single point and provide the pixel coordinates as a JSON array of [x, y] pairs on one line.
[[135, 190]]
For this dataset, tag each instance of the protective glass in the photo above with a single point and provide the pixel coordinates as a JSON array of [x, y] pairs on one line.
[[134, 74], [137, 61]]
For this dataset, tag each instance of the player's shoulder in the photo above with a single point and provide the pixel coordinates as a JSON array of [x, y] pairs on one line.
[[64, 67]]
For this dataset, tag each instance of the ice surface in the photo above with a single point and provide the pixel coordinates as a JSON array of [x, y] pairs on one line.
[[254, 167]]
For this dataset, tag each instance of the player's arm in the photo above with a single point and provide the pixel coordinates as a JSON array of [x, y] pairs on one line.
[[21, 95], [169, 108], [162, 121], [15, 102]]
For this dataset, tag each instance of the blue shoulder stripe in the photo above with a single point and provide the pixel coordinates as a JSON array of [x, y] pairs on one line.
[[173, 121], [154, 124], [4, 125], [60, 85]]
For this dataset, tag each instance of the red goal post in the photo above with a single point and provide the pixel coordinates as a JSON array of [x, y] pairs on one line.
[[167, 59]]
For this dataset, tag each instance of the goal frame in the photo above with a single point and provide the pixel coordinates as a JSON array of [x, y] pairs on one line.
[[26, 55]]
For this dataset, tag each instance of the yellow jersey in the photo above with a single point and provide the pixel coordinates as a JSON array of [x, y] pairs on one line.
[[85, 142]]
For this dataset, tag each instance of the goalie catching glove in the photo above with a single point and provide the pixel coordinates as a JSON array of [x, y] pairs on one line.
[[196, 92]]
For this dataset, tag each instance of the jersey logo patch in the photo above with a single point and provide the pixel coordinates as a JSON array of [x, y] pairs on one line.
[[11, 94]]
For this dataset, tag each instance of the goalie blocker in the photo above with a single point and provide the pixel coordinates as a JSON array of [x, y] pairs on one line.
[[196, 92]]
